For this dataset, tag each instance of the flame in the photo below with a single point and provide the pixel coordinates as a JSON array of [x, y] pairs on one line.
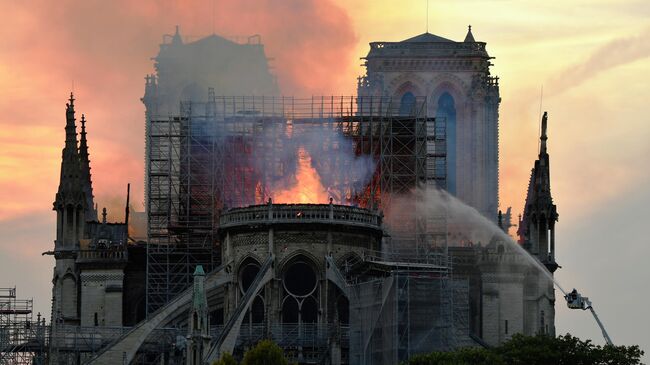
[[308, 188]]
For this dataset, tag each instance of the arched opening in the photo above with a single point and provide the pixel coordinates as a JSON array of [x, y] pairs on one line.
[[447, 112], [407, 104], [257, 310], [69, 227], [247, 273], [300, 279], [69, 297], [309, 311], [290, 310]]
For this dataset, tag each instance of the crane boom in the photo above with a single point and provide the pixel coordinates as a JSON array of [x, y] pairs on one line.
[[576, 301], [602, 328]]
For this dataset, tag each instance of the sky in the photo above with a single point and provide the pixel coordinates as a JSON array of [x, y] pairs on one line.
[[591, 58]]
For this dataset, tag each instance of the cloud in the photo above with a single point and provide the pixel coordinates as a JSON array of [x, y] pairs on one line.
[[615, 53], [105, 48]]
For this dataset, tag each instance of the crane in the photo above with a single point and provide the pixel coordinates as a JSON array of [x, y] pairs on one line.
[[576, 301]]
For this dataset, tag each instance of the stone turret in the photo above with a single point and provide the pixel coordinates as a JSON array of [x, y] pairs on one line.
[[198, 334], [537, 227], [469, 37], [71, 203], [537, 235], [71, 206]]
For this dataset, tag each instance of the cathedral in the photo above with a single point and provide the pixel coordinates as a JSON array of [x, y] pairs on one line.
[[300, 274]]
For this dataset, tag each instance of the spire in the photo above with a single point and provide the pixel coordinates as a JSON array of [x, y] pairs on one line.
[[198, 336], [537, 226], [543, 137], [85, 172], [70, 157], [70, 128], [176, 39], [70, 195], [469, 38]]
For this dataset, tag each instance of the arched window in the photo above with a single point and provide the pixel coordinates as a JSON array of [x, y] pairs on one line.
[[290, 310], [447, 113], [309, 310], [247, 273], [257, 310], [300, 282], [69, 297], [407, 104]]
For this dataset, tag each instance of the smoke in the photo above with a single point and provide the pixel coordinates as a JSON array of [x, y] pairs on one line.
[[115, 207], [282, 149], [472, 227], [615, 53]]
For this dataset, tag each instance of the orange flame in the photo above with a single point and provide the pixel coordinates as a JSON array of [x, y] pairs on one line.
[[308, 188]]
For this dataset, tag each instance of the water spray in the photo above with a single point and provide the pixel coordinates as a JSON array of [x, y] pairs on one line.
[[433, 201]]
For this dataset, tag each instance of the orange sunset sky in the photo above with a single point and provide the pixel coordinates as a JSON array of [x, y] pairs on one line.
[[592, 58]]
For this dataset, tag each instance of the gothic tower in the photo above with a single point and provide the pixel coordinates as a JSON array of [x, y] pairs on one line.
[[537, 226], [537, 235], [455, 78], [74, 206]]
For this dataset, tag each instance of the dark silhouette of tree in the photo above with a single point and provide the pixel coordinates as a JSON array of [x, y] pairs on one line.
[[536, 350], [226, 359], [266, 352]]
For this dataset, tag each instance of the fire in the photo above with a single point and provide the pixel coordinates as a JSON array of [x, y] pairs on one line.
[[308, 188]]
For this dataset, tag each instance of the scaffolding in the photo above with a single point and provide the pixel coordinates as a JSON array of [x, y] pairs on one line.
[[22, 340], [412, 309], [235, 151], [78, 344]]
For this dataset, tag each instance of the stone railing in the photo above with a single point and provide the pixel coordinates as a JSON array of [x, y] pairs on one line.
[[300, 213], [469, 46], [113, 255]]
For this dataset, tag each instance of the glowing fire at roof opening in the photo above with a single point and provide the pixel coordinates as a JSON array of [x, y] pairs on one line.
[[308, 188]]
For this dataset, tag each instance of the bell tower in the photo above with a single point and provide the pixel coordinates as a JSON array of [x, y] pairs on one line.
[[73, 205], [461, 94]]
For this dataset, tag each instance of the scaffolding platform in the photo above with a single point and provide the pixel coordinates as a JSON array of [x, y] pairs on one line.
[[232, 152]]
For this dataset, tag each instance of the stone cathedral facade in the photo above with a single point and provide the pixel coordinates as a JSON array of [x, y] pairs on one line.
[[100, 272], [98, 277], [455, 77]]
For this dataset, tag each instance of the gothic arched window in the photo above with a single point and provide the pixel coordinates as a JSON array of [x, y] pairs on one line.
[[69, 296], [447, 113], [407, 104]]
